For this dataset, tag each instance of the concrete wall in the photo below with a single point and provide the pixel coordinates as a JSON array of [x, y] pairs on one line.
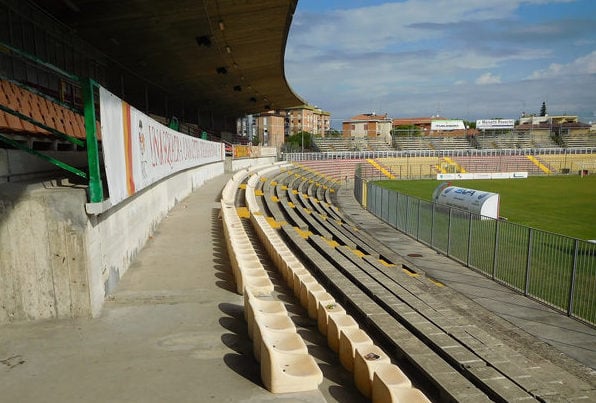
[[42, 252], [236, 165], [56, 261]]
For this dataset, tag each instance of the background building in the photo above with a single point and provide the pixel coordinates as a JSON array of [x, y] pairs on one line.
[[270, 129], [368, 125], [307, 118]]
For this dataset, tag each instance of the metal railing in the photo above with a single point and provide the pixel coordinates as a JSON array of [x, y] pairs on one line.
[[554, 269], [344, 155]]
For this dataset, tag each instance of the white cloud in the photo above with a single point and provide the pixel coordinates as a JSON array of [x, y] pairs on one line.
[[582, 65], [381, 26], [488, 78], [423, 56]]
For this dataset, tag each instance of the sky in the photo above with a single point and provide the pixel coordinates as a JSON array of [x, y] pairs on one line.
[[460, 59]]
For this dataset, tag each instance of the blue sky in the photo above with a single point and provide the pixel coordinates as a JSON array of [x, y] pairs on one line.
[[467, 59]]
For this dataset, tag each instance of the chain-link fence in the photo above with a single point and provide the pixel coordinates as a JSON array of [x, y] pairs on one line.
[[557, 270]]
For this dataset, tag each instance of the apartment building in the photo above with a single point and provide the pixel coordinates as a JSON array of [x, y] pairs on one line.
[[307, 118], [368, 125], [270, 128]]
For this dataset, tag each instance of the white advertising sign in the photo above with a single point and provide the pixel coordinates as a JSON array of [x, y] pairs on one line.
[[139, 151], [447, 125], [483, 175], [493, 124]]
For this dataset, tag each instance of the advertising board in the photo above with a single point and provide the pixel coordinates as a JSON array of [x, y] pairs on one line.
[[447, 125], [494, 124]]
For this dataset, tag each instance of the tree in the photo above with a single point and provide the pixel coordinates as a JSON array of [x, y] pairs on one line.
[[296, 139], [543, 109], [406, 130], [470, 124]]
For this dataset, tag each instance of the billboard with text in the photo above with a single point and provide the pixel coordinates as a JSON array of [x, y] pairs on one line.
[[447, 125], [138, 151], [494, 124]]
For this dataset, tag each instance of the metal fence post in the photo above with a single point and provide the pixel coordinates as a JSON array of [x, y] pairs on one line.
[[449, 232], [496, 250], [572, 282], [418, 221], [432, 226], [528, 261], [469, 251], [406, 229]]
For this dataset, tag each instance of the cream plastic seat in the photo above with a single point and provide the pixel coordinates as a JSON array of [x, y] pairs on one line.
[[254, 304], [265, 323], [366, 360], [325, 306], [312, 296], [404, 395], [260, 284], [283, 372], [338, 322], [349, 340], [294, 277], [389, 384], [283, 341], [304, 283], [290, 266]]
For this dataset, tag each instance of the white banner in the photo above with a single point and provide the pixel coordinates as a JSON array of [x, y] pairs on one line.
[[493, 124], [482, 175], [447, 125], [139, 151]]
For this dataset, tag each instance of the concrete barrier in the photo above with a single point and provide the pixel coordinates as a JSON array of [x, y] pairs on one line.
[[69, 260]]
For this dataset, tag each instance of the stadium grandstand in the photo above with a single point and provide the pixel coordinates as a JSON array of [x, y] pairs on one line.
[[149, 253]]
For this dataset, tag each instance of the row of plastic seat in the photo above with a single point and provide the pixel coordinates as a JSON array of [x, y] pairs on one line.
[[39, 109], [374, 374], [228, 194], [286, 366], [246, 265]]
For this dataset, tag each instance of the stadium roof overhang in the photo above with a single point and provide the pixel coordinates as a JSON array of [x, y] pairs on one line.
[[225, 56]]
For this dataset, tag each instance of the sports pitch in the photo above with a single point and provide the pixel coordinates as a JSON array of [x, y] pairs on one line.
[[561, 204]]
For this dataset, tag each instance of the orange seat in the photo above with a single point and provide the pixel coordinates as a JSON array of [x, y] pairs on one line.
[[39, 109], [4, 121]]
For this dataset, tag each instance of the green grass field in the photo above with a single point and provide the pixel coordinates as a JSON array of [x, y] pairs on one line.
[[561, 204]]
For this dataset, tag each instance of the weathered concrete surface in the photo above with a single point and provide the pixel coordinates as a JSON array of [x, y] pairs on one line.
[[57, 261], [43, 253]]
